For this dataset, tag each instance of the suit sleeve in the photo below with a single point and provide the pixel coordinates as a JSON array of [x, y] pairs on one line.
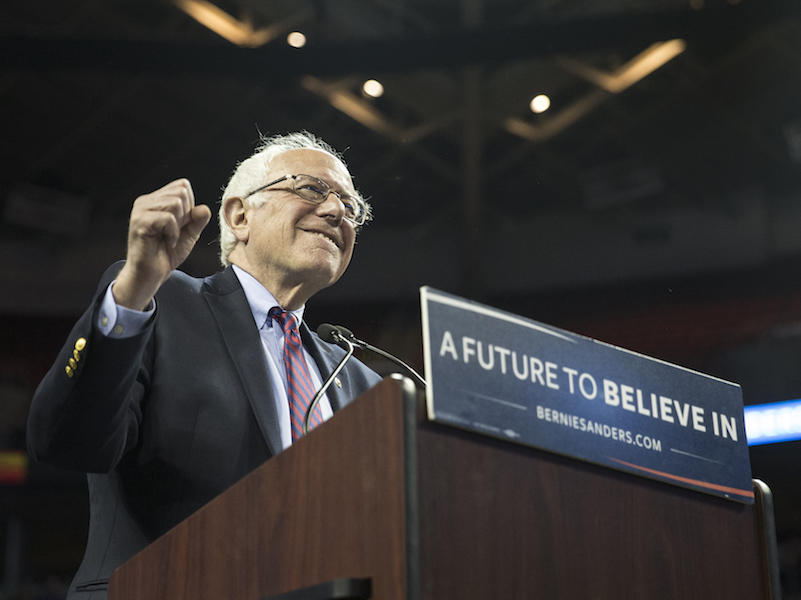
[[86, 412]]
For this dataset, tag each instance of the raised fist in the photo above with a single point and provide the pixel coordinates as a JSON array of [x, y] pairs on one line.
[[162, 231]]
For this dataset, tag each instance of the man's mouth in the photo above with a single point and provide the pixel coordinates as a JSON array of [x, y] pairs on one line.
[[324, 235]]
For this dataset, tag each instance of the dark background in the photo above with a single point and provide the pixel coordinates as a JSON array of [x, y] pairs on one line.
[[659, 213]]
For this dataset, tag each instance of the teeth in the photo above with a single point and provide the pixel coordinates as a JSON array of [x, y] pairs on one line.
[[322, 235]]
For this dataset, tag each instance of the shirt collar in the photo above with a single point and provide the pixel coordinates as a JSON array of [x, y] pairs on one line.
[[261, 300]]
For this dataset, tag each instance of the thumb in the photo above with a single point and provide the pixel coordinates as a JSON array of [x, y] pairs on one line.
[[199, 217]]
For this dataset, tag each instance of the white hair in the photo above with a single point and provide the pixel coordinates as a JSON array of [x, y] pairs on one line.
[[249, 175]]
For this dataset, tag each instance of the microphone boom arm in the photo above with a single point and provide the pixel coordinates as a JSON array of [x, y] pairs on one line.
[[347, 334], [337, 337]]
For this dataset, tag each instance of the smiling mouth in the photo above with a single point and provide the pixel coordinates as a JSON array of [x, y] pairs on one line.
[[325, 236]]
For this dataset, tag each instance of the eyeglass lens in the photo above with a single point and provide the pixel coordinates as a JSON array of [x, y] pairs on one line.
[[316, 190]]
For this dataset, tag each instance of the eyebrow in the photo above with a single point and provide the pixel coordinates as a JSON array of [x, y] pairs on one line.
[[354, 194]]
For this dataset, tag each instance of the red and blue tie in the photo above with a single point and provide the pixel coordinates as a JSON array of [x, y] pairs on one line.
[[300, 388]]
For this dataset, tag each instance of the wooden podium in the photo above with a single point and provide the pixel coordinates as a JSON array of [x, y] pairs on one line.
[[430, 512]]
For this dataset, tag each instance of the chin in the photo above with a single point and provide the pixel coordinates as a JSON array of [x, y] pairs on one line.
[[323, 277]]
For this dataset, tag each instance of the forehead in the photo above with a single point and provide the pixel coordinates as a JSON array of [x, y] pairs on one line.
[[310, 162]]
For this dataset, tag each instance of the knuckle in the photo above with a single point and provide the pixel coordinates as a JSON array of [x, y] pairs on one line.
[[139, 230]]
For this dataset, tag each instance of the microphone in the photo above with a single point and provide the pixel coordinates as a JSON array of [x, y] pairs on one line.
[[347, 335], [330, 334]]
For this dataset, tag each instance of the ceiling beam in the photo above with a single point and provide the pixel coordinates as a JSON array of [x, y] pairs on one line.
[[449, 48]]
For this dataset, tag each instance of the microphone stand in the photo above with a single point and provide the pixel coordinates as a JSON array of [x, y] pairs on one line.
[[337, 338]]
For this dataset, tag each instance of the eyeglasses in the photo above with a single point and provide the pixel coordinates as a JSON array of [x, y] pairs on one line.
[[316, 191]]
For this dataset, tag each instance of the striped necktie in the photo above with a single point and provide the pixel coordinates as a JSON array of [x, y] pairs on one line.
[[300, 388]]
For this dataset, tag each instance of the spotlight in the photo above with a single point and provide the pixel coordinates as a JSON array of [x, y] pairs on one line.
[[372, 88], [540, 103], [296, 39]]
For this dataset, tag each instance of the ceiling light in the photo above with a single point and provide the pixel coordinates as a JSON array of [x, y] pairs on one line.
[[296, 39], [373, 88], [540, 103]]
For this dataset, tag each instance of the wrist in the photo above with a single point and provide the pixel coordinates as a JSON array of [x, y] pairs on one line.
[[133, 292]]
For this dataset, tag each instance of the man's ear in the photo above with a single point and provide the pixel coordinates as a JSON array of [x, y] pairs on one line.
[[235, 213]]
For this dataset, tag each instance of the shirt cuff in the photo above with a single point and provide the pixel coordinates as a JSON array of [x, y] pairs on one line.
[[117, 321]]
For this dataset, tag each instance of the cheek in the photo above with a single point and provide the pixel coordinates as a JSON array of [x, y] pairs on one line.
[[349, 238], [350, 241], [346, 257]]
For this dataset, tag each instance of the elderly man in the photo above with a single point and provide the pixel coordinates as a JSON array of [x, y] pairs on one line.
[[170, 389]]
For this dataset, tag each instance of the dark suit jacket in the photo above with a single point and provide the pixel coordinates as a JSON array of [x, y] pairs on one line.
[[166, 420]]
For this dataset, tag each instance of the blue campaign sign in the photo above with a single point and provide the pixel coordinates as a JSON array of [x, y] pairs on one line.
[[510, 377]]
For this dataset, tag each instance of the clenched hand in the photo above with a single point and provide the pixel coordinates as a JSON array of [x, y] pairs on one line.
[[163, 229]]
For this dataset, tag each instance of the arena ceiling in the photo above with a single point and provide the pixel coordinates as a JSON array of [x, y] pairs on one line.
[[672, 145]]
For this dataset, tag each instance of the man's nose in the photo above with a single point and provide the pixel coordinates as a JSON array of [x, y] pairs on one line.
[[332, 206]]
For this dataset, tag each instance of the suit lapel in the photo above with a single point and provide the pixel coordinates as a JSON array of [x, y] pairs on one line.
[[231, 310]]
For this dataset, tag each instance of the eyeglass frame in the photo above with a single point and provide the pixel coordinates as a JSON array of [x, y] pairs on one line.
[[357, 199]]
